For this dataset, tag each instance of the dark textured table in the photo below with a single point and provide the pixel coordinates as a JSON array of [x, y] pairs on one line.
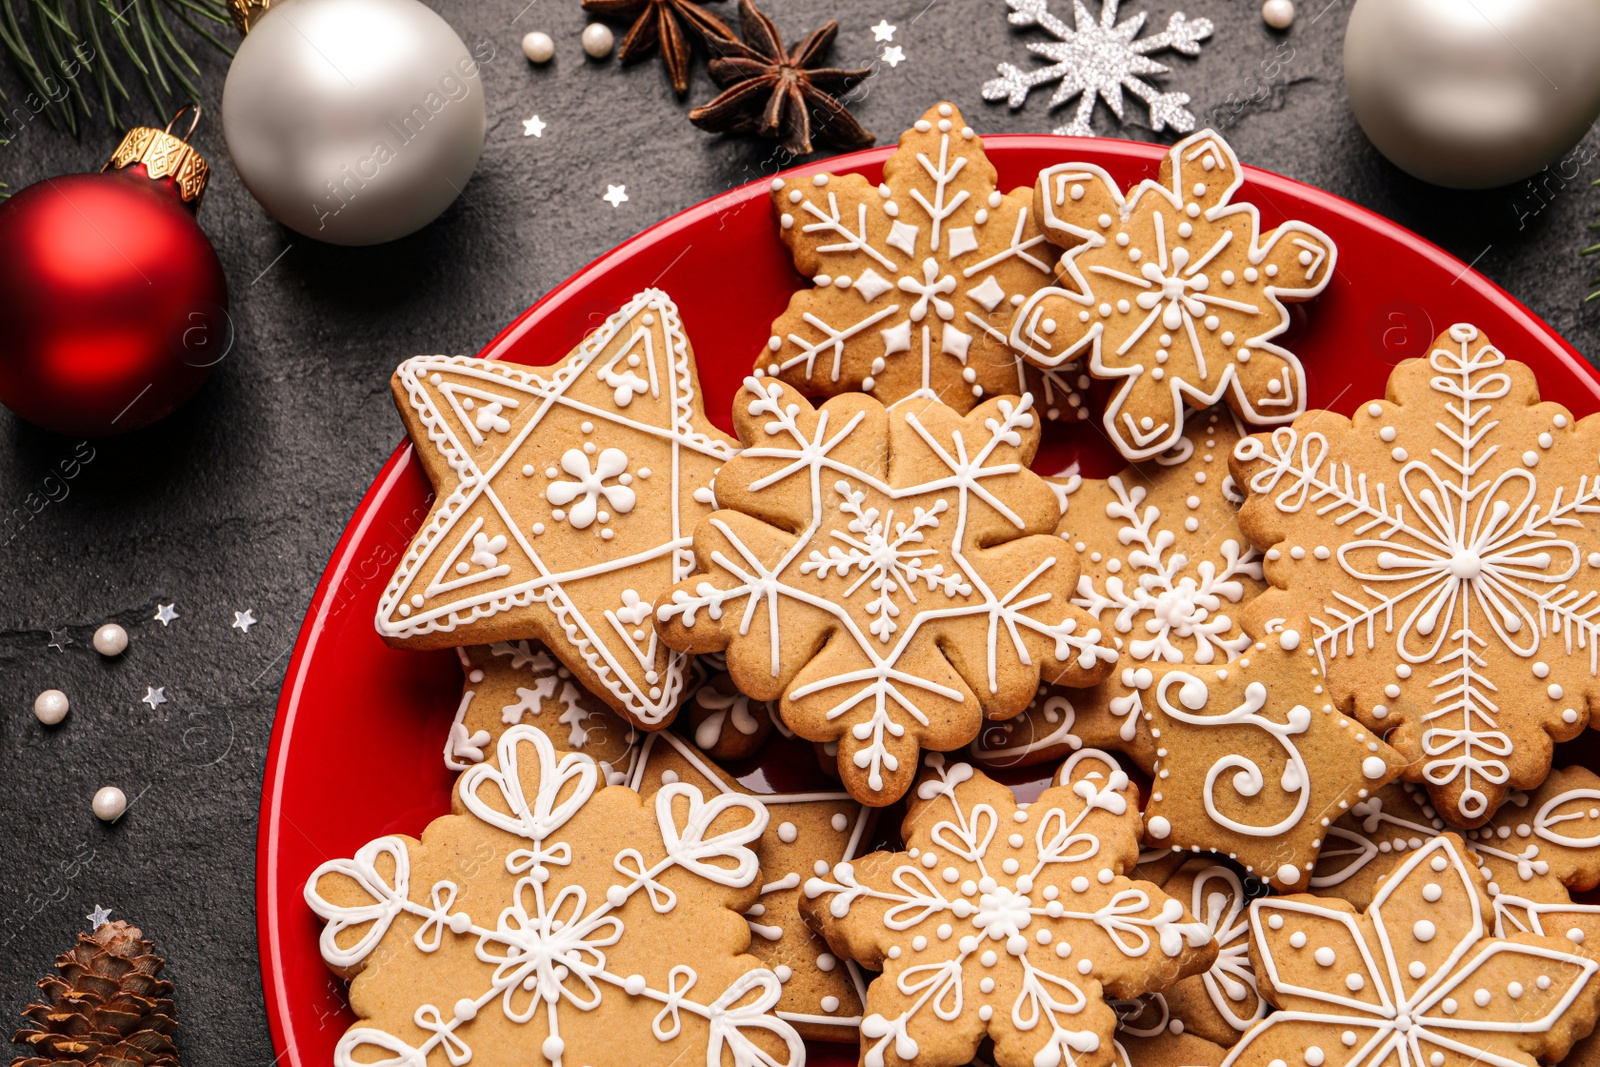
[[236, 501]]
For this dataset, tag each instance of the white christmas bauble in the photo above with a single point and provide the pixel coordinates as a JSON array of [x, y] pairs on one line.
[[50, 706], [1473, 94], [354, 121], [1279, 14], [111, 640], [598, 40], [538, 47], [109, 803]]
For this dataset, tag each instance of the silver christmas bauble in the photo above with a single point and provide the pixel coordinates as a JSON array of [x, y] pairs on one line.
[[354, 121], [1473, 94]]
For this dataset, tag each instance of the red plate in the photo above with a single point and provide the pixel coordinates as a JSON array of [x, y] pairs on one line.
[[356, 751]]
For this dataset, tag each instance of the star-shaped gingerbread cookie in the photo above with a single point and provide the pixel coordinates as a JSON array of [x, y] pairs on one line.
[[567, 498]]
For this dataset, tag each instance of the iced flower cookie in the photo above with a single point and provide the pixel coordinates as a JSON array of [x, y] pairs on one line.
[[1164, 571], [1173, 292], [892, 575], [508, 683], [807, 831], [566, 500], [1446, 543], [1006, 921], [551, 921], [1253, 761], [907, 275], [1416, 978]]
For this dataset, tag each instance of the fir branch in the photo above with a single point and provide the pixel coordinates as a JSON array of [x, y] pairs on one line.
[[73, 56], [1593, 249]]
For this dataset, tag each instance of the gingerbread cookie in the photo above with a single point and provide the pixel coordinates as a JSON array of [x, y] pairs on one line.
[[1446, 542], [1164, 569], [1252, 760], [1221, 1002], [891, 575], [1417, 978], [1007, 921], [1173, 292], [725, 724], [520, 682], [566, 500], [806, 832], [908, 274], [1538, 846], [551, 921]]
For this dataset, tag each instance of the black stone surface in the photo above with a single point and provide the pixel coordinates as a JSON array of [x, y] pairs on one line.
[[236, 502]]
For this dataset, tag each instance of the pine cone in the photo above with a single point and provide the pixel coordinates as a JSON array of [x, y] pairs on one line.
[[108, 1006]]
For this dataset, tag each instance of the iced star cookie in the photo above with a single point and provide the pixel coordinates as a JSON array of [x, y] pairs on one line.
[[807, 832], [905, 276], [1173, 292], [725, 724], [1252, 760], [566, 500], [553, 921], [892, 575], [1538, 846], [1221, 1002], [1006, 921], [508, 683], [1446, 543], [1164, 570], [1416, 978]]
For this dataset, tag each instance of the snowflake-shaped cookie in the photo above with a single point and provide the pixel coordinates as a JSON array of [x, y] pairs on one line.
[[1446, 542], [508, 683], [1098, 60], [528, 927], [1221, 1002], [807, 831], [890, 574], [1174, 292], [1415, 979], [1006, 920], [1164, 570], [1252, 760], [908, 274], [566, 500], [1539, 844]]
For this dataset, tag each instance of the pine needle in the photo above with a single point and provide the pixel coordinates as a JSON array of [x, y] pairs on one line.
[[1592, 250], [73, 57]]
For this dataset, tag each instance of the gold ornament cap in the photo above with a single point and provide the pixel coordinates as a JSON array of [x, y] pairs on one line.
[[166, 155], [246, 13]]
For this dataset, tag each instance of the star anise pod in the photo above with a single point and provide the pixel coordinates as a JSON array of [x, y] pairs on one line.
[[780, 95], [667, 25]]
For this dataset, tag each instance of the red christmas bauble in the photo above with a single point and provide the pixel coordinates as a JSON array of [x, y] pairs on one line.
[[113, 306]]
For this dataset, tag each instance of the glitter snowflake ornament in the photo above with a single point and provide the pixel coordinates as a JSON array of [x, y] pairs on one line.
[[1446, 542], [1099, 60], [1007, 921], [554, 923]]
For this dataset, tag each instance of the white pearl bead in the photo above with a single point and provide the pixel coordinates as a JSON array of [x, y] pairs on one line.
[[538, 47], [597, 40], [1278, 13], [50, 706], [109, 803], [110, 640]]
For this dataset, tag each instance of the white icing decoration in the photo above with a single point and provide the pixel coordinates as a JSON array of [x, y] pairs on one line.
[[451, 396], [1463, 569], [1394, 1015], [884, 556], [546, 967]]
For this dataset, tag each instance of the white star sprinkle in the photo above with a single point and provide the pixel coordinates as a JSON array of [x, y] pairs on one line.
[[164, 614], [243, 620], [155, 696], [616, 195], [883, 31], [893, 55], [533, 127], [98, 917], [59, 640]]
